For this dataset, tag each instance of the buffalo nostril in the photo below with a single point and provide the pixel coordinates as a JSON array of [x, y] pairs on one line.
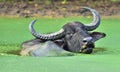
[[87, 39], [84, 41]]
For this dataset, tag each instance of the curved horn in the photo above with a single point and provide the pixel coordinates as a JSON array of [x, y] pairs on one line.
[[51, 36], [96, 19]]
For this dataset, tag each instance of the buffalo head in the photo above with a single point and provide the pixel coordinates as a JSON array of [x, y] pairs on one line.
[[74, 36]]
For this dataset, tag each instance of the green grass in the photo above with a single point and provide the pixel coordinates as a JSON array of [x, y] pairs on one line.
[[14, 31]]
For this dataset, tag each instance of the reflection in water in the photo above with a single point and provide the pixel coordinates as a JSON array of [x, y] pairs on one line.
[[99, 49], [13, 52]]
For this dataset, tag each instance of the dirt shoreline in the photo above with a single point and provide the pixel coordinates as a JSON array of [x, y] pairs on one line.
[[70, 9]]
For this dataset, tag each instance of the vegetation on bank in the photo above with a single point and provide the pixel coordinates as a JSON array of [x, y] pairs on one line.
[[57, 8]]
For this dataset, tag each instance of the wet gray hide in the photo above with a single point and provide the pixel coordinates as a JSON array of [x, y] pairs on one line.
[[47, 48]]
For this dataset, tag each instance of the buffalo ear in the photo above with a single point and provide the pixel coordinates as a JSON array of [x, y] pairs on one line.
[[97, 35]]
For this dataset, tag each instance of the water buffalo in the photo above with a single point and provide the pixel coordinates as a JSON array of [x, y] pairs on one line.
[[73, 37]]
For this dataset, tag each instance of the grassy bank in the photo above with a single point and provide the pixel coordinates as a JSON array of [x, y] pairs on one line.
[[14, 31]]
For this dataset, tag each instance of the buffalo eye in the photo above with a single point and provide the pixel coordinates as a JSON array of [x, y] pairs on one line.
[[69, 35]]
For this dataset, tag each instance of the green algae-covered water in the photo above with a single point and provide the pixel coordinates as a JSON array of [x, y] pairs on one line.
[[14, 31]]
